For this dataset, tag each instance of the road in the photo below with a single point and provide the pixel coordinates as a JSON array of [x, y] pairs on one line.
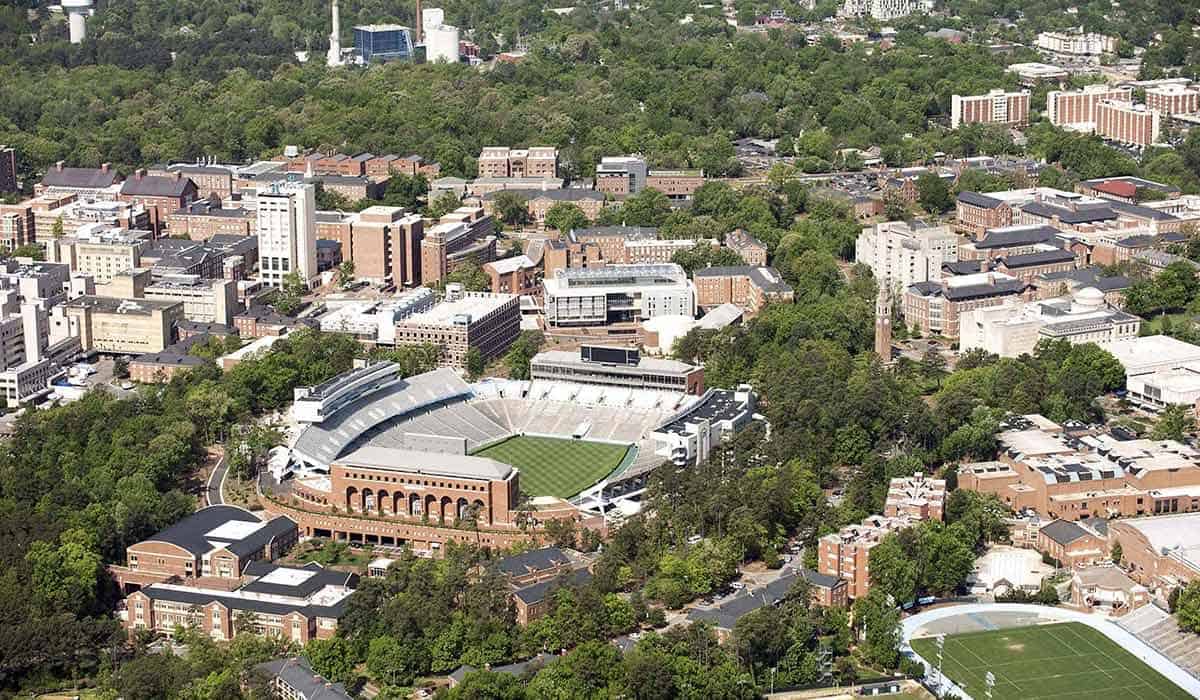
[[214, 491]]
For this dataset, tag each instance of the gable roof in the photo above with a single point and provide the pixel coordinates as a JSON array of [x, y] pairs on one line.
[[157, 186], [1016, 235], [537, 592], [1041, 257], [1063, 532], [299, 675], [979, 200], [193, 533], [79, 178], [533, 560]]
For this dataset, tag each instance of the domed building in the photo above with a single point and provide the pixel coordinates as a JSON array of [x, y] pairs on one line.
[[1014, 328]]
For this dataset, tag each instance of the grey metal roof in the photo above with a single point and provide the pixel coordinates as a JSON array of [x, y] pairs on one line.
[[1042, 257], [726, 615], [967, 267], [1063, 532], [976, 291], [204, 596], [979, 200], [1083, 214], [157, 186], [1090, 277], [81, 178], [533, 560], [191, 533], [537, 592], [298, 675], [169, 359], [519, 669], [1010, 236], [321, 577], [629, 232], [1141, 212], [765, 278]]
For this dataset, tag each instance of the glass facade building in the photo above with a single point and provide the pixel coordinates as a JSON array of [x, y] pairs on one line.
[[383, 42]]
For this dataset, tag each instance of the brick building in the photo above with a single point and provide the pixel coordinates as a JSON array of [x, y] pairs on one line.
[[539, 202], [91, 183], [1162, 552], [975, 213], [996, 107], [1076, 109], [1071, 544], [935, 307], [461, 237], [749, 249], [1173, 99], [1126, 123], [384, 243], [212, 181], [916, 496], [465, 321], [750, 288], [846, 553], [161, 195], [1074, 473], [514, 275], [205, 218], [537, 161], [676, 184]]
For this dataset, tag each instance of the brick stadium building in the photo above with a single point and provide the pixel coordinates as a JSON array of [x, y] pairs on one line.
[[391, 487]]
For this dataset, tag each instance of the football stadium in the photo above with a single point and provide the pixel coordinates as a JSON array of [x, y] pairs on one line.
[[1037, 653], [590, 444]]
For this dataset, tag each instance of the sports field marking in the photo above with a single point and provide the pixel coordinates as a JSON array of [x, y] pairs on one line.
[[561, 467], [1118, 663], [1076, 652]]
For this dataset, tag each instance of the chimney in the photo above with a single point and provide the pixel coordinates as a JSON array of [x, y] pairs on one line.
[[59, 166], [139, 173], [420, 29], [104, 167]]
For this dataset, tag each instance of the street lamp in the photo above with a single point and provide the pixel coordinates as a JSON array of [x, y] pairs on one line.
[[941, 646]]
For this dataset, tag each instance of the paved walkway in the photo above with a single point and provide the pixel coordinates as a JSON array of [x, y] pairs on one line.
[[1105, 625]]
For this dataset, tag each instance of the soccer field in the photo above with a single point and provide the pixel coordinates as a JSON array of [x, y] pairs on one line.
[[557, 466], [1067, 660]]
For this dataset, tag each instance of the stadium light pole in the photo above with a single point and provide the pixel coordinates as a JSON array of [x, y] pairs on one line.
[[990, 681]]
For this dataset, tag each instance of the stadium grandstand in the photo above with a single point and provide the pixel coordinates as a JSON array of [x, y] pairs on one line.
[[438, 412]]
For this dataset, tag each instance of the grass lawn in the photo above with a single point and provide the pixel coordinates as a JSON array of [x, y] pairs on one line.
[[1154, 323], [556, 466], [1068, 660]]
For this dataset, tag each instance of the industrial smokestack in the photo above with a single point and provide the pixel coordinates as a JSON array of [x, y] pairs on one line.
[[420, 28], [334, 57]]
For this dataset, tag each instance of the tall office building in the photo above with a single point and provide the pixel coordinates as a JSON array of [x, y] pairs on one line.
[[287, 233]]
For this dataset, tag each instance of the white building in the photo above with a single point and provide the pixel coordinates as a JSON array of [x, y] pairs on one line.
[[878, 9], [287, 233], [376, 319], [1014, 328], [1153, 353], [1076, 44], [900, 255], [617, 293]]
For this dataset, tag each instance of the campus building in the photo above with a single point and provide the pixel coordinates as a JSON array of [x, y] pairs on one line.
[[375, 43], [100, 252], [1161, 552], [617, 294], [1126, 123], [915, 496], [1015, 327], [996, 107], [159, 195], [935, 308], [122, 326], [462, 322], [1076, 109], [536, 161], [747, 287], [384, 243], [846, 553], [1173, 99], [691, 436], [287, 233], [621, 176], [617, 366], [461, 237], [1073, 473], [751, 250], [900, 254]]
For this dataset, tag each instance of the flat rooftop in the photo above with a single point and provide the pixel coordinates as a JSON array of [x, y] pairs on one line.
[[1152, 350], [112, 305], [451, 313], [650, 364]]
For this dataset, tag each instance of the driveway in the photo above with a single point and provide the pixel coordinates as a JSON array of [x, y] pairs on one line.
[[216, 482]]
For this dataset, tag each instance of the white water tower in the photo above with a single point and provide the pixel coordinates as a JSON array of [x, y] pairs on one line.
[[77, 13]]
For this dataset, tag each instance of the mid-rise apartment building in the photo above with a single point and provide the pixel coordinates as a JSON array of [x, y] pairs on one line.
[[617, 294], [1076, 43], [900, 254], [287, 233], [462, 322], [1076, 109], [1127, 123], [1173, 99], [537, 161], [846, 553], [996, 107], [746, 286]]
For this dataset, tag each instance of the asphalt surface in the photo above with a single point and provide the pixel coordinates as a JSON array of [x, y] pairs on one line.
[[212, 493]]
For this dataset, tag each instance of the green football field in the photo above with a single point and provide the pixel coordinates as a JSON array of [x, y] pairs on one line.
[[1067, 660], [557, 466]]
